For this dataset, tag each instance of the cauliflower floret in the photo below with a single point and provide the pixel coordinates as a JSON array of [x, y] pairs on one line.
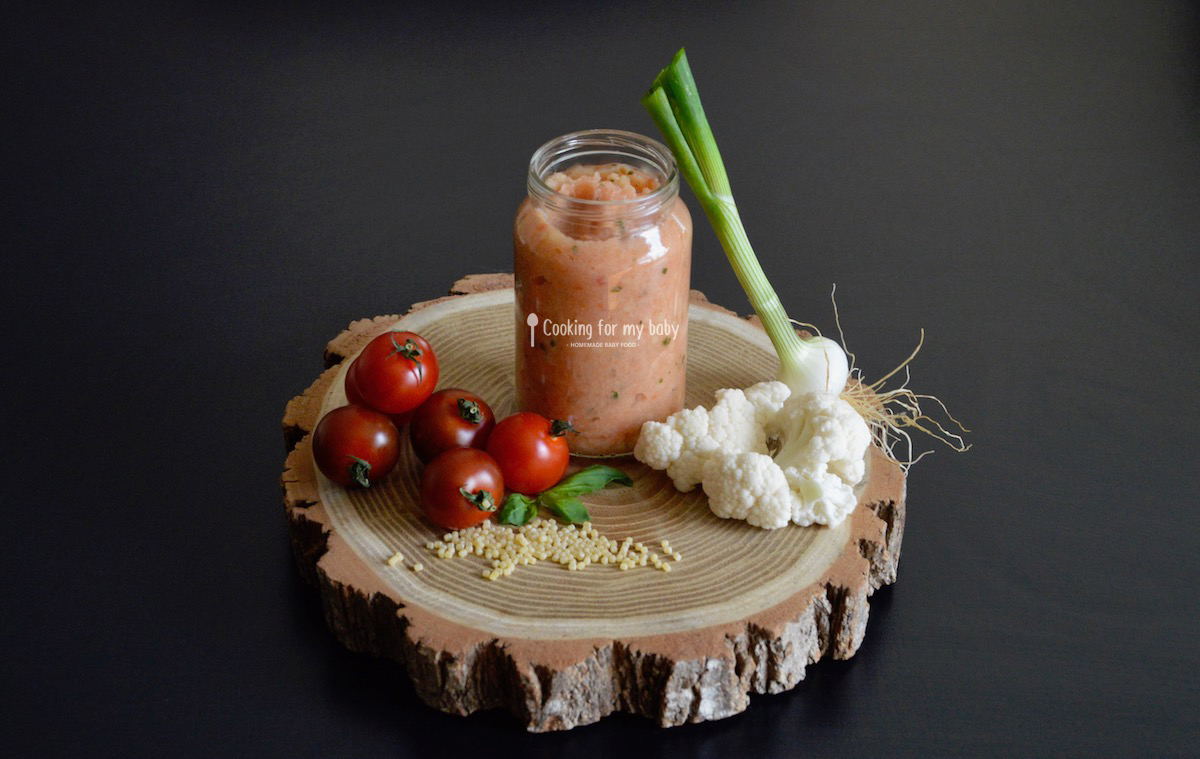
[[819, 497], [698, 445], [748, 486], [824, 433], [658, 444], [733, 423], [768, 399], [823, 445], [687, 439], [679, 445]]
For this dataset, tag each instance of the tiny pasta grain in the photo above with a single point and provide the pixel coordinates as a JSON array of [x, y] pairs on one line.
[[574, 547]]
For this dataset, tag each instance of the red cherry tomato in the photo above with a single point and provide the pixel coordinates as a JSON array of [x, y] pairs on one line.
[[354, 444], [401, 420], [354, 396], [450, 418], [396, 372], [460, 488], [531, 451]]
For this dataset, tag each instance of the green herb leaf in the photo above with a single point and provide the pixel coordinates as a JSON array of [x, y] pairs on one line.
[[562, 500], [517, 510], [566, 507], [588, 480]]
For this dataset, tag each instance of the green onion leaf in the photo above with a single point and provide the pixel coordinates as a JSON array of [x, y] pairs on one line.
[[676, 80], [674, 104]]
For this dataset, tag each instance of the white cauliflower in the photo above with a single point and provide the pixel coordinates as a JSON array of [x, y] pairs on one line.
[[748, 486], [823, 431], [819, 497], [679, 445], [683, 443], [733, 422], [822, 444], [768, 399]]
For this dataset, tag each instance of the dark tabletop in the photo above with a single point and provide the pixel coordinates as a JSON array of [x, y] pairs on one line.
[[197, 197]]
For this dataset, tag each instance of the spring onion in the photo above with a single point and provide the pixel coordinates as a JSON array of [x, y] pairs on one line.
[[815, 364], [806, 364]]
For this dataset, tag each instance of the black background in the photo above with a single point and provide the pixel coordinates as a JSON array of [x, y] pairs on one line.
[[197, 197]]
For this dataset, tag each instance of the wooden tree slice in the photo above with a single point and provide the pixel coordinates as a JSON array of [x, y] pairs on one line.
[[745, 610]]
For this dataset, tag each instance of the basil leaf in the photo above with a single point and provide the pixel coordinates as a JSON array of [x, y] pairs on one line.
[[566, 507], [517, 510], [588, 480]]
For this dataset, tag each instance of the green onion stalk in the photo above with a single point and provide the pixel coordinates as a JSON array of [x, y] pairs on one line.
[[805, 365], [815, 364]]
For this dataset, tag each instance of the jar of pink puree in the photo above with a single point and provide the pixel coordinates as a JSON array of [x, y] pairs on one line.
[[602, 251]]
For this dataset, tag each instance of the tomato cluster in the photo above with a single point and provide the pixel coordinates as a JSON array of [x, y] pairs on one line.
[[525, 452], [469, 458], [360, 443]]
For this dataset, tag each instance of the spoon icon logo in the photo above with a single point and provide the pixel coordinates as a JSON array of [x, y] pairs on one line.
[[532, 321]]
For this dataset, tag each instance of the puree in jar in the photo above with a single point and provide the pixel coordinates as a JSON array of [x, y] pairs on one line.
[[605, 268]]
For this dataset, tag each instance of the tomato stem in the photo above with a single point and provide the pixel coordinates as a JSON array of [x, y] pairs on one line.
[[360, 469], [409, 350], [470, 411], [560, 427], [481, 499]]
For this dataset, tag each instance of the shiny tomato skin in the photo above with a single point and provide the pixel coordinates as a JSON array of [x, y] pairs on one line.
[[401, 420], [530, 456], [443, 480], [396, 372], [440, 423], [355, 438], [353, 395]]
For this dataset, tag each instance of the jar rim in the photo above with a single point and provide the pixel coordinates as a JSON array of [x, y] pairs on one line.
[[610, 141]]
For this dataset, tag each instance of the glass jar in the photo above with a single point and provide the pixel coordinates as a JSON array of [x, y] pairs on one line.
[[602, 253]]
